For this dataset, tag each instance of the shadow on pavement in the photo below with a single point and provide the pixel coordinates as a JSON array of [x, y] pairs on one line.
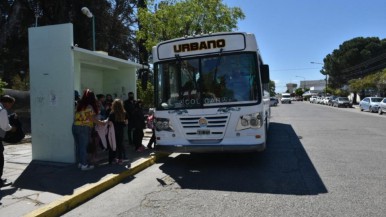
[[64, 179], [61, 179], [283, 168]]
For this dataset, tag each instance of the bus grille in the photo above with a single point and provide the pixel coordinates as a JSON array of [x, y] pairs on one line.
[[216, 126]]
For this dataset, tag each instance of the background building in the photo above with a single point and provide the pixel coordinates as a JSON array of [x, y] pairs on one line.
[[316, 85], [291, 87]]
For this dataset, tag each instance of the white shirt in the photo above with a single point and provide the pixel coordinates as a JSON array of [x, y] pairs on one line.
[[4, 123]]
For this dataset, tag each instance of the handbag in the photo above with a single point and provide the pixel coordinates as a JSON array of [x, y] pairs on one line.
[[15, 136]]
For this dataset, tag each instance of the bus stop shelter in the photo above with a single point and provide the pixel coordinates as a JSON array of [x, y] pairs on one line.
[[57, 68]]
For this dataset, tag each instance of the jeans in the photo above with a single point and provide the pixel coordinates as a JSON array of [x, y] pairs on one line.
[[81, 137]]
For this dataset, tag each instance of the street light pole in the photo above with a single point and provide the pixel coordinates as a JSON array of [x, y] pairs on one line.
[[88, 13], [325, 90]]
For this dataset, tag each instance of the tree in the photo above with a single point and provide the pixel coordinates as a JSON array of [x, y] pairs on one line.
[[20, 82], [146, 95], [172, 19], [339, 92], [375, 82], [354, 59], [115, 23], [2, 85], [299, 91], [272, 88]]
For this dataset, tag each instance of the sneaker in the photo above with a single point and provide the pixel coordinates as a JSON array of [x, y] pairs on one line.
[[120, 162], [86, 167]]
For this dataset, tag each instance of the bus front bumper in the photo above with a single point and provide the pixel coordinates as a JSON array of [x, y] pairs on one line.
[[210, 148]]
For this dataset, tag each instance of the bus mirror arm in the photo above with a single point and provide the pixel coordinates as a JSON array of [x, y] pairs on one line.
[[217, 64]]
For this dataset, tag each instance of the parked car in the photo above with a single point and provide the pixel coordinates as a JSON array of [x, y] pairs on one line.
[[342, 102], [382, 106], [313, 99], [319, 100], [325, 100], [370, 104], [273, 101], [331, 100]]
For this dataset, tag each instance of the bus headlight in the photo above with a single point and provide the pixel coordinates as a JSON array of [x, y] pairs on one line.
[[249, 121], [163, 124], [244, 122], [254, 122]]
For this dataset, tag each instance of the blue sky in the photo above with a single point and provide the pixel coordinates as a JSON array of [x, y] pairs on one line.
[[293, 33]]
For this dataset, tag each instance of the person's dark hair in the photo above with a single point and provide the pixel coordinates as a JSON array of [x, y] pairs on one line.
[[131, 96], [109, 98], [7, 98], [76, 95], [88, 98], [100, 96]]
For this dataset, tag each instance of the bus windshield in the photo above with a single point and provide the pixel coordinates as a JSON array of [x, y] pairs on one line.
[[207, 81]]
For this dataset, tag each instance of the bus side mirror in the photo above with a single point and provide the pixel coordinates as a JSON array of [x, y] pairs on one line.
[[265, 74]]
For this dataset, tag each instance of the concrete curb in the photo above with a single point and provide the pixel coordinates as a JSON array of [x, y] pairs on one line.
[[87, 192]]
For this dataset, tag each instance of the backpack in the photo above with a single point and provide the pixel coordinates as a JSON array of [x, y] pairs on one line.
[[18, 135]]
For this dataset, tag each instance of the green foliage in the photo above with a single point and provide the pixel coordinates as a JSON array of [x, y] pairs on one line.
[[339, 92], [20, 83], [147, 96], [272, 88], [329, 90], [342, 64], [299, 91], [173, 19], [355, 85], [2, 85], [375, 81], [114, 28]]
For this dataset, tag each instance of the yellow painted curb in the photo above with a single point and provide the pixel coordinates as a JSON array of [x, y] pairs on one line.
[[66, 203]]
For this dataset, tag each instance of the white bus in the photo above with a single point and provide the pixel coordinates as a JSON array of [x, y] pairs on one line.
[[211, 94]]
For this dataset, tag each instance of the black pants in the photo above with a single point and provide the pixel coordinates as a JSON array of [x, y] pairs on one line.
[[137, 137], [1, 158], [130, 135], [152, 139], [120, 151], [112, 154]]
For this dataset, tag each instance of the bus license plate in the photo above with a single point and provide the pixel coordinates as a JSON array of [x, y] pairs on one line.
[[203, 132]]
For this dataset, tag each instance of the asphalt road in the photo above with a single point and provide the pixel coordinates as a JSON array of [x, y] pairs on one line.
[[320, 161]]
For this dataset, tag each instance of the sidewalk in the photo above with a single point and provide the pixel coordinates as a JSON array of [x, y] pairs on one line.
[[49, 189]]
